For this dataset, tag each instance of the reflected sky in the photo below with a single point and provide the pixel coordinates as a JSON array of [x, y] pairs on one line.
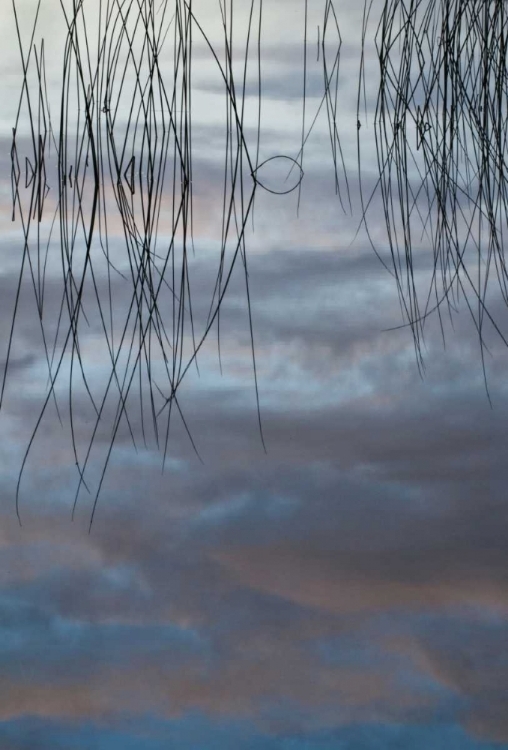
[[347, 589]]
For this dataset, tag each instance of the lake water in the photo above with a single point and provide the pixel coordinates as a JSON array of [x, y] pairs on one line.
[[297, 509]]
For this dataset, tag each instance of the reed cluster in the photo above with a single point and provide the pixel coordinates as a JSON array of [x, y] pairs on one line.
[[117, 149]]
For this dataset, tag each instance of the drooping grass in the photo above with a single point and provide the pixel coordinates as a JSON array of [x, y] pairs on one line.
[[441, 131], [118, 148]]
